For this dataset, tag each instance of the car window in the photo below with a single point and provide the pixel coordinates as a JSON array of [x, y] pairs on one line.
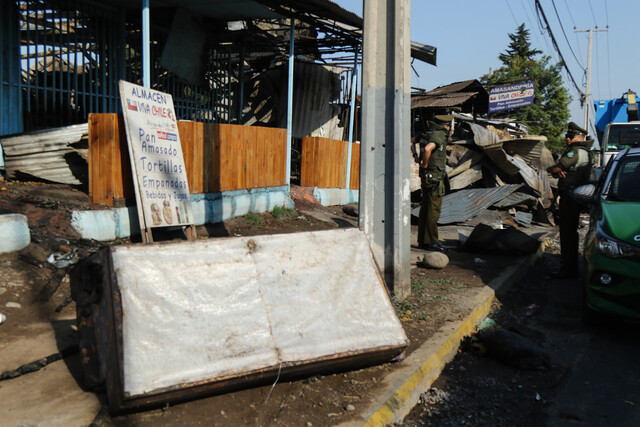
[[625, 136], [625, 184]]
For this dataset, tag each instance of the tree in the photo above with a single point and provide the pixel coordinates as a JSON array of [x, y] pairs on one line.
[[550, 110], [519, 46]]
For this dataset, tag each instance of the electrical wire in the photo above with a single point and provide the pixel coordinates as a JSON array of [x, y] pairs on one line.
[[574, 27], [510, 10], [539, 25], [565, 34], [593, 14], [555, 45]]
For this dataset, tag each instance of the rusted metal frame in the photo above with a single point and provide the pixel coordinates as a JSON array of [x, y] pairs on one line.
[[60, 76], [68, 55], [24, 5], [241, 82], [44, 70], [308, 18], [103, 65], [229, 93]]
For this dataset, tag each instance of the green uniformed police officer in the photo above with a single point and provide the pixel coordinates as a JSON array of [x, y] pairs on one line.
[[572, 170], [432, 158]]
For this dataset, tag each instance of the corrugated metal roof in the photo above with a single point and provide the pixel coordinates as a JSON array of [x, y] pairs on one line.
[[448, 100], [453, 95], [472, 85], [465, 204]]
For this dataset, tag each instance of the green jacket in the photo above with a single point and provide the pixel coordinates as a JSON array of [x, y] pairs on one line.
[[577, 161], [438, 135]]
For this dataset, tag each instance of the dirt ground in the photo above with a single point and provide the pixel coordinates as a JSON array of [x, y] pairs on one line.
[[33, 290], [478, 390]]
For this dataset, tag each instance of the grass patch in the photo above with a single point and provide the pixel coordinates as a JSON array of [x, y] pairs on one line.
[[280, 212], [255, 220], [423, 292], [403, 307]]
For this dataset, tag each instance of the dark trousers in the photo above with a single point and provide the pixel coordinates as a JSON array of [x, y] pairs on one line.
[[428, 219], [569, 221]]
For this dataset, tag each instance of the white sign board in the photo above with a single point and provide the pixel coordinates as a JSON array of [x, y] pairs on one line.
[[160, 177]]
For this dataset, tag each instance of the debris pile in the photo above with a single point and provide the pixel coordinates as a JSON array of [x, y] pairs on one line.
[[56, 155], [497, 175]]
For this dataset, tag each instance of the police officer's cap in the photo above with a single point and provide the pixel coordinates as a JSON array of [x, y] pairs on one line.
[[444, 118], [572, 127]]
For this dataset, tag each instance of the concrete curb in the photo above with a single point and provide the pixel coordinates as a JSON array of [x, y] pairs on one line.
[[418, 371], [404, 386]]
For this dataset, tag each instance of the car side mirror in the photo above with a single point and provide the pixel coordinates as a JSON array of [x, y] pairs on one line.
[[584, 193]]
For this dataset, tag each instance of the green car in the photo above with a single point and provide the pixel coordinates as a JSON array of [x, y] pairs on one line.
[[612, 244]]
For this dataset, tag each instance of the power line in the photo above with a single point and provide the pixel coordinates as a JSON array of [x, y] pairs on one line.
[[565, 34], [570, 15], [555, 45], [574, 27], [533, 26], [514, 16], [593, 14]]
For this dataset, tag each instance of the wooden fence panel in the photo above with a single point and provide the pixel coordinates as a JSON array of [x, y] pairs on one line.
[[210, 159], [354, 180], [217, 157], [324, 163], [110, 181], [192, 142]]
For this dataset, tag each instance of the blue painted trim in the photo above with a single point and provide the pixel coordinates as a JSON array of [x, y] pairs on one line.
[[335, 196], [146, 49], [209, 208]]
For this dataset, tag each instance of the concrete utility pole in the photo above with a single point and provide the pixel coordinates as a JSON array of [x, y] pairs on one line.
[[385, 161], [587, 95]]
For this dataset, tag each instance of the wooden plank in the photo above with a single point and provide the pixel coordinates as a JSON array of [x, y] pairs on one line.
[[280, 166], [105, 158], [467, 177], [187, 131], [113, 177], [225, 154], [342, 167], [252, 159], [210, 160], [354, 181]]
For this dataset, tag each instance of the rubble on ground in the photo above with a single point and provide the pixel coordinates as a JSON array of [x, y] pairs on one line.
[[497, 175]]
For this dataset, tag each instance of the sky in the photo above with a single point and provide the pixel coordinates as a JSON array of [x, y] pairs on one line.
[[470, 34]]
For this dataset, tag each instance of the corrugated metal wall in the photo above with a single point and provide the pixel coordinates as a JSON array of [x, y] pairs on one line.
[[316, 96]]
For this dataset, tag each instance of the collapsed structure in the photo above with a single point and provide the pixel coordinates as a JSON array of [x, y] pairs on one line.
[[490, 163]]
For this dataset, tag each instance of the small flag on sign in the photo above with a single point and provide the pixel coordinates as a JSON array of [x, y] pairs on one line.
[[131, 105]]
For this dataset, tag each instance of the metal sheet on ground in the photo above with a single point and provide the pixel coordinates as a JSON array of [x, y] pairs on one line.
[[197, 311]]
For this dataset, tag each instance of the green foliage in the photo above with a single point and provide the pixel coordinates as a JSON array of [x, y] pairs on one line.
[[403, 307], [255, 220], [280, 212], [550, 112], [519, 46]]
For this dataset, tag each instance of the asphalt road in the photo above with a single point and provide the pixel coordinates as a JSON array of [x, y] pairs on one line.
[[594, 379]]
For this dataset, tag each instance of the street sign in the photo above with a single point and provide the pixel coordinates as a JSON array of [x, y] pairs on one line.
[[509, 97], [160, 177]]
